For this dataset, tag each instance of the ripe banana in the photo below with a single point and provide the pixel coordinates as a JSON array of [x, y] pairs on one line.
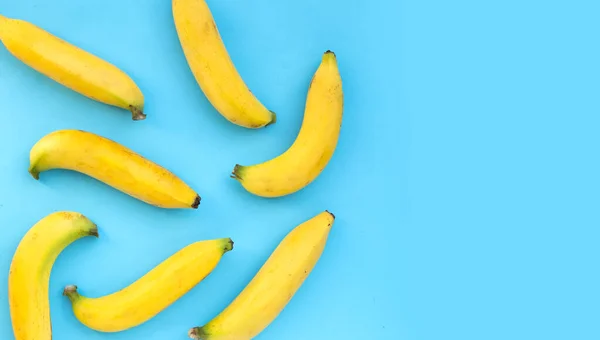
[[273, 286], [71, 66], [29, 275], [113, 164], [213, 68], [152, 293], [301, 163]]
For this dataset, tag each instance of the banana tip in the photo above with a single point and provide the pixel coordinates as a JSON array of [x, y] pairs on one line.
[[70, 289], [196, 203], [236, 173], [195, 333], [273, 119], [137, 113], [330, 213], [228, 245], [34, 173], [94, 232]]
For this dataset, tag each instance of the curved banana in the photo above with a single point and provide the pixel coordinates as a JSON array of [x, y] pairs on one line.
[[273, 286], [30, 269], [113, 164], [152, 293], [213, 68], [300, 164], [71, 66]]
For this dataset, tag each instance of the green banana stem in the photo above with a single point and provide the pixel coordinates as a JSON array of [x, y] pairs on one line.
[[273, 118], [228, 245], [34, 173]]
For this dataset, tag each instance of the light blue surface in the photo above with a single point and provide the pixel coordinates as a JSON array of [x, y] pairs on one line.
[[466, 183]]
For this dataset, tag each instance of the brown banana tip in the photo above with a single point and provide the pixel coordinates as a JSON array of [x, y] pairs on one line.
[[70, 289], [196, 203], [94, 232], [137, 113], [330, 52], [330, 213], [196, 333]]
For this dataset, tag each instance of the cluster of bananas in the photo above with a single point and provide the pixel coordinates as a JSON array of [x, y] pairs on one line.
[[265, 296]]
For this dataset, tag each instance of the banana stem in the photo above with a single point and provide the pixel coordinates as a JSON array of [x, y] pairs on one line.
[[236, 173], [228, 245], [196, 203], [198, 333], [34, 173], [94, 232], [137, 113], [71, 292], [273, 119]]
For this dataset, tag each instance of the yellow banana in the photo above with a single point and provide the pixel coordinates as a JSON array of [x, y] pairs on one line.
[[113, 164], [213, 68], [273, 286], [71, 66], [302, 162], [152, 293], [30, 269]]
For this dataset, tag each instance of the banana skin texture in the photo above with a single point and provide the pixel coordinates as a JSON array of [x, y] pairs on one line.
[[314, 146], [152, 293], [213, 68], [113, 164], [273, 286], [30, 269], [71, 66]]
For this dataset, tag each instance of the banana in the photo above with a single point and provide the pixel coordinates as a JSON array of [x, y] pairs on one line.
[[71, 66], [273, 286], [314, 146], [113, 164], [29, 275], [213, 68], [153, 292]]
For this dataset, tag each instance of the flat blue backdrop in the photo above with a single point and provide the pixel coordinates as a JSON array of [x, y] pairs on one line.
[[466, 183]]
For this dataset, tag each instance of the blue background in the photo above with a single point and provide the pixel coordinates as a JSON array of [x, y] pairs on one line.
[[465, 184]]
